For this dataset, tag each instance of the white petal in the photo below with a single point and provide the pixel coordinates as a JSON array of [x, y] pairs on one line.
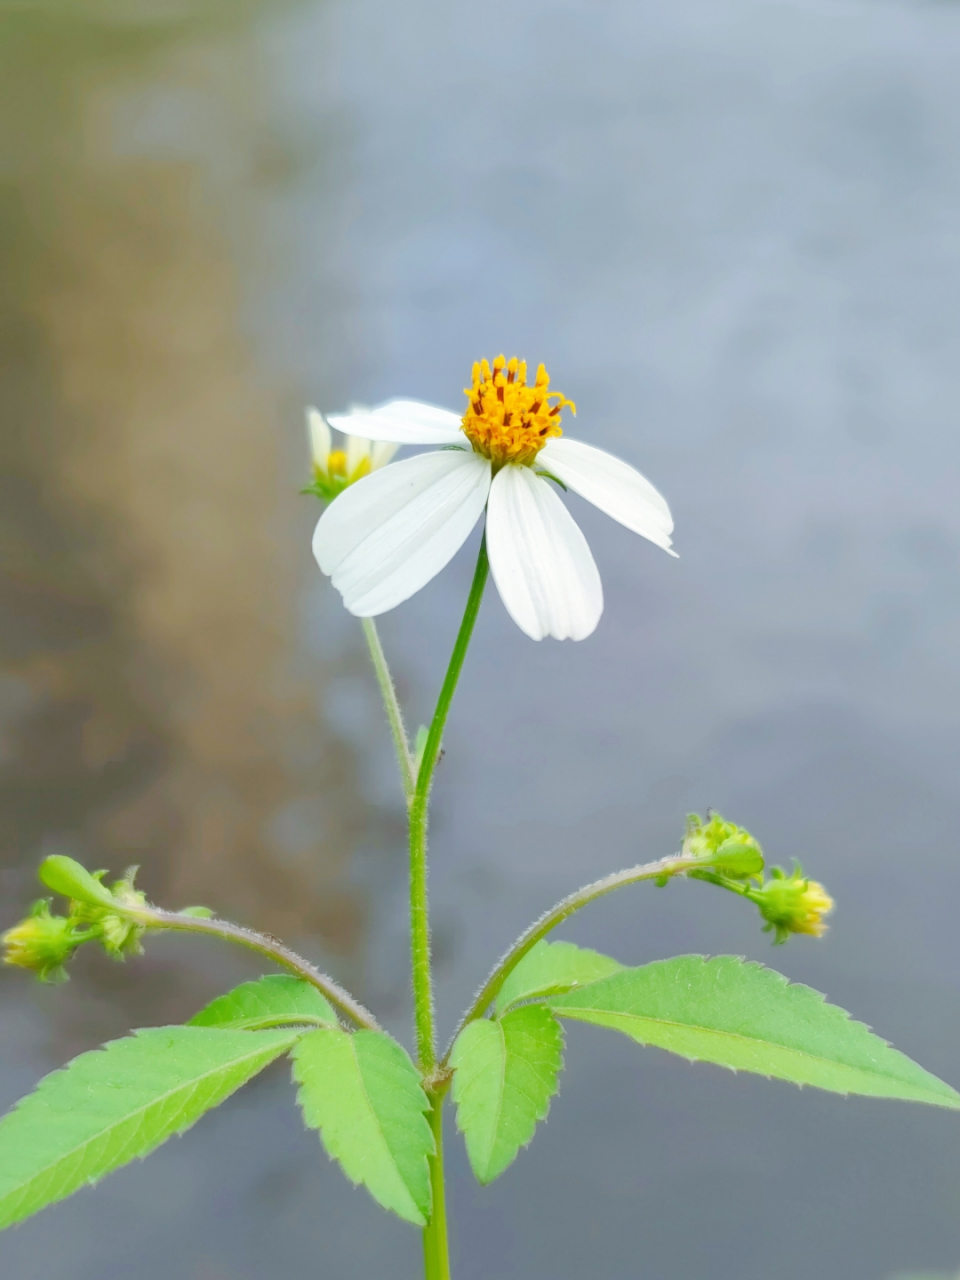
[[381, 454], [539, 558], [320, 439], [357, 449], [387, 535], [613, 486], [402, 422]]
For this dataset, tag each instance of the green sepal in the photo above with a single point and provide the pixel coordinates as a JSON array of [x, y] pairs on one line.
[[65, 876], [737, 859], [548, 475]]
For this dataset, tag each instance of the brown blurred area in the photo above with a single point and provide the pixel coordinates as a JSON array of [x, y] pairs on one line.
[[154, 708]]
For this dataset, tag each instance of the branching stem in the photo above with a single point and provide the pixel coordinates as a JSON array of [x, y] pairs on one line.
[[264, 945], [392, 707], [664, 867]]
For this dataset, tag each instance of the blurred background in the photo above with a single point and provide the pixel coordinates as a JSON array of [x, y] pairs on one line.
[[729, 228]]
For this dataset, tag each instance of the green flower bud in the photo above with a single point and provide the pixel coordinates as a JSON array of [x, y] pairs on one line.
[[117, 933], [335, 469], [792, 904], [729, 850], [42, 943]]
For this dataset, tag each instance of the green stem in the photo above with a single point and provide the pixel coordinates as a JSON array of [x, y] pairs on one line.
[[436, 1252], [661, 869], [264, 945], [391, 706], [419, 914]]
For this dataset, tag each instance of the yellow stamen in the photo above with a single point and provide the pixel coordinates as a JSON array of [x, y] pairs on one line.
[[507, 421], [337, 463]]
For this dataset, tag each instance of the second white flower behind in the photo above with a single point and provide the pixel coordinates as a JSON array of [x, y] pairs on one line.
[[387, 535]]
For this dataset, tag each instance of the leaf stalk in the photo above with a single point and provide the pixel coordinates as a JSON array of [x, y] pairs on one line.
[[659, 870], [264, 945]]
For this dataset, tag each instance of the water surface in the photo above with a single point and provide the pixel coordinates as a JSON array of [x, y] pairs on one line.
[[730, 232]]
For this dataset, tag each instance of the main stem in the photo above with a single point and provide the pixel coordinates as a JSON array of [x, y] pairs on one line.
[[436, 1259], [419, 913], [436, 1252]]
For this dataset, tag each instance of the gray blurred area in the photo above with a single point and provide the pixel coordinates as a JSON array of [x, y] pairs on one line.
[[730, 229]]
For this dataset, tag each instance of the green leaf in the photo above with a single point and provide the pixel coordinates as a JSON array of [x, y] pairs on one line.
[[106, 1107], [64, 875], [505, 1073], [275, 1001], [363, 1093], [550, 968], [744, 1016]]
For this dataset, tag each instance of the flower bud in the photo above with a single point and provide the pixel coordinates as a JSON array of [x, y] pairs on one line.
[[729, 850], [117, 933], [792, 904], [335, 469], [42, 943]]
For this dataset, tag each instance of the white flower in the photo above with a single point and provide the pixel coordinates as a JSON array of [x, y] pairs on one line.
[[335, 469], [385, 538]]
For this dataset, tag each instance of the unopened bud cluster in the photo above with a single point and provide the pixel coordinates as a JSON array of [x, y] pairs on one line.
[[336, 468], [44, 942], [733, 859], [792, 904]]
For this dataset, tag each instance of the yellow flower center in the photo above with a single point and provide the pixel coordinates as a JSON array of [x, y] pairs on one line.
[[506, 420]]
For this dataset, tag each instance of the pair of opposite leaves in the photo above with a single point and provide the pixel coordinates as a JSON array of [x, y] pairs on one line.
[[364, 1094]]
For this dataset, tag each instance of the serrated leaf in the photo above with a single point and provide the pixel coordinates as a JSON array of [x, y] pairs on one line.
[[550, 968], [747, 1017], [109, 1106], [363, 1093], [505, 1073], [274, 1001]]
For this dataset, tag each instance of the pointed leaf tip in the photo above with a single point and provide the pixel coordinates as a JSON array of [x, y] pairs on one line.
[[550, 968], [363, 1093], [505, 1073], [111, 1105], [276, 1000], [742, 1015]]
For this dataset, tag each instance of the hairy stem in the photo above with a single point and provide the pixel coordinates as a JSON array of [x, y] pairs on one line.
[[664, 867], [419, 913], [392, 707], [264, 945], [436, 1253]]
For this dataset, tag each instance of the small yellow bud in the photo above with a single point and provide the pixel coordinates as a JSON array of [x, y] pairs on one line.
[[792, 904], [335, 469], [42, 943], [337, 466]]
